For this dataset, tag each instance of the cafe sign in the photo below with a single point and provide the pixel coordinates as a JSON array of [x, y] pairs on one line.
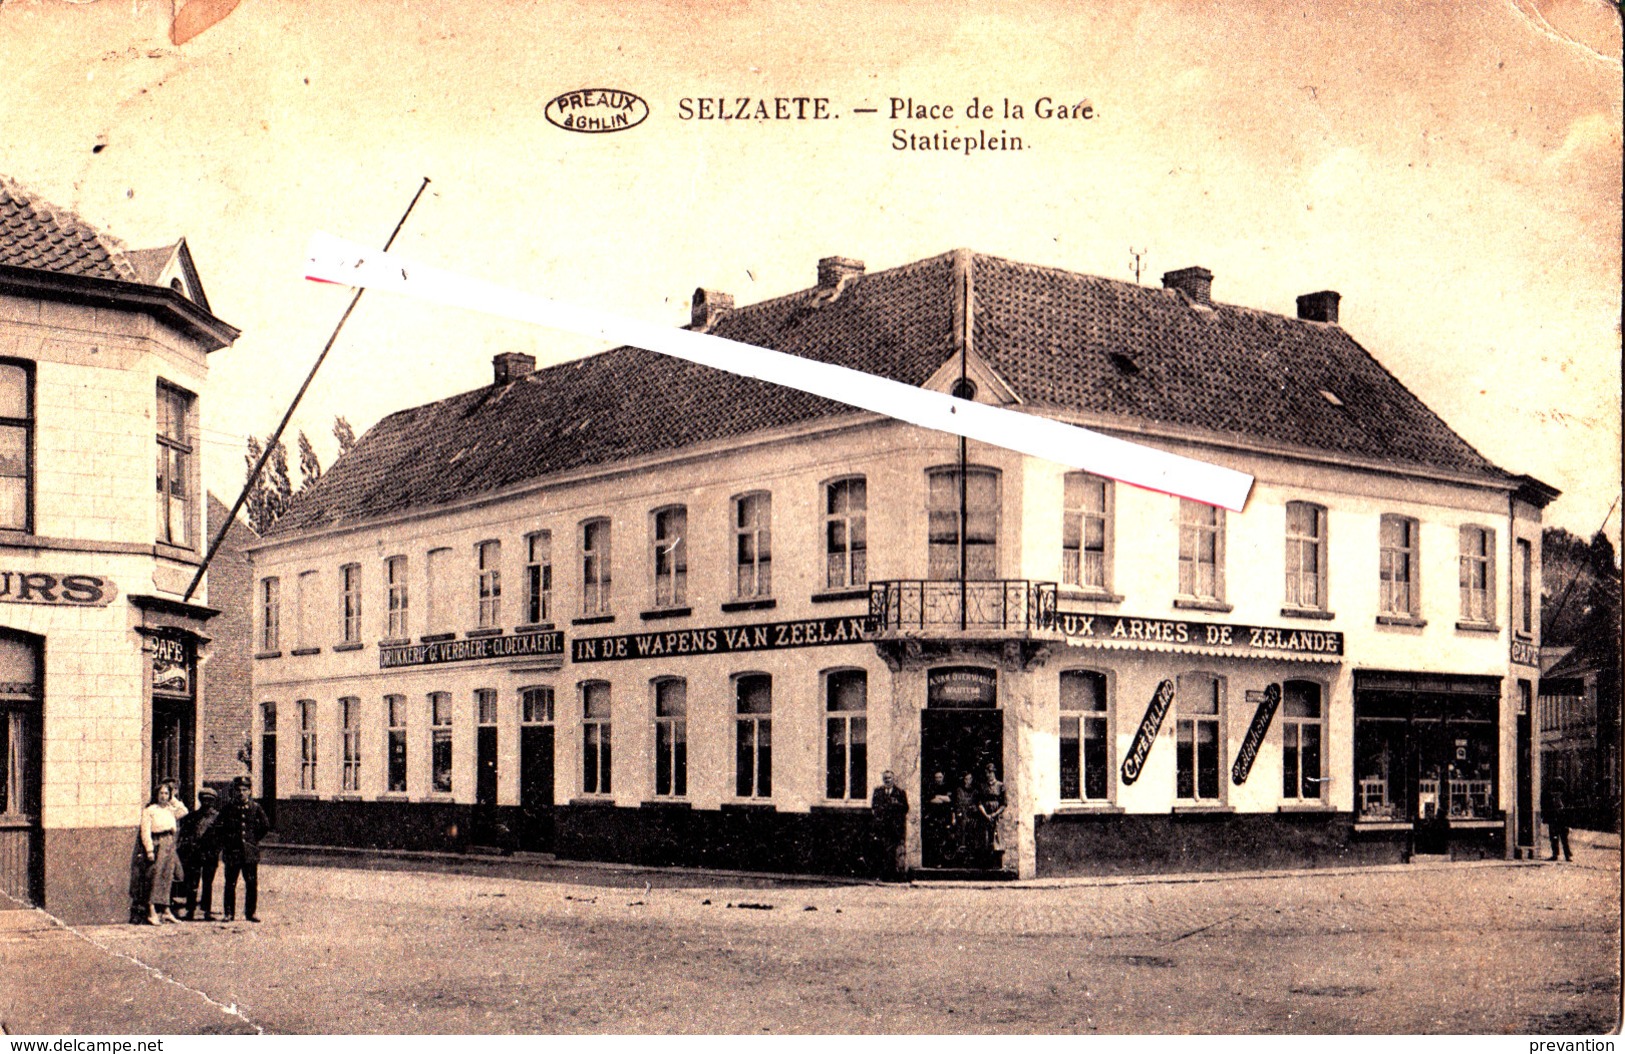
[[44, 587], [721, 640], [171, 666], [539, 644], [1525, 654], [1207, 636], [1146, 734]]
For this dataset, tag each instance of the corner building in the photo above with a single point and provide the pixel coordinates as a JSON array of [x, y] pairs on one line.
[[630, 608], [103, 356]]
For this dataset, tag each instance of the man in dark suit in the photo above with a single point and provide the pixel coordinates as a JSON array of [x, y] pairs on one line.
[[1554, 808], [242, 825], [200, 852], [890, 808]]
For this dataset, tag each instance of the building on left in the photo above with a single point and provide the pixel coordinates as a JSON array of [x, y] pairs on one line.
[[103, 356]]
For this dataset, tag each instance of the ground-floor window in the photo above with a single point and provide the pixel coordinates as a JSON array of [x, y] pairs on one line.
[[671, 737], [440, 742], [307, 744], [350, 724], [1200, 703], [395, 730], [753, 772], [1085, 765], [1302, 728], [595, 738], [846, 735], [1426, 748]]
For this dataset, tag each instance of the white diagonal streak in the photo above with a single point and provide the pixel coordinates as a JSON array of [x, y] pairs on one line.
[[346, 263]]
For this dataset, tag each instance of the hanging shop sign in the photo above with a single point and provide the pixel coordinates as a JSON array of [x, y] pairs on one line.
[[1269, 700], [69, 591], [172, 659], [1182, 633], [507, 646], [1146, 734], [720, 640]]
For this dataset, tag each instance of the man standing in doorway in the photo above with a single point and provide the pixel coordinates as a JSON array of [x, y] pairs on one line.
[[890, 808], [243, 824], [1554, 808]]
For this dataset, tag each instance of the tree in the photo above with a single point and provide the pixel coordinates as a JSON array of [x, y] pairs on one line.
[[310, 467], [272, 493], [255, 502], [344, 434]]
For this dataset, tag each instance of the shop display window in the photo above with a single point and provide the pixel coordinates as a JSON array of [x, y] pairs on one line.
[[1427, 755]]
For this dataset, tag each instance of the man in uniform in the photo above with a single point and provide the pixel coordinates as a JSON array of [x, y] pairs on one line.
[[243, 824]]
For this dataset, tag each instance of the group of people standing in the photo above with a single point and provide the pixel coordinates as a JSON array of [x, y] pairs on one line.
[[179, 850], [961, 821]]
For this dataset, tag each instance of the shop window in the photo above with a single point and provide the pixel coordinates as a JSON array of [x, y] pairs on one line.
[[20, 757], [1305, 556], [671, 737], [307, 744], [753, 545], [488, 583], [1201, 551], [539, 578], [1526, 587], [1086, 532], [595, 567], [668, 555], [963, 524], [16, 445], [395, 735], [350, 585], [398, 627], [1085, 737], [1425, 748], [753, 705], [440, 742], [174, 466], [1199, 738], [595, 737], [1400, 562], [1302, 736], [350, 726], [270, 614], [536, 706], [846, 735], [1477, 575], [440, 617], [846, 544]]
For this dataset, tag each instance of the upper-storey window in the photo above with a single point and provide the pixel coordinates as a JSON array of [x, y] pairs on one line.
[[538, 577], [1086, 532], [753, 545], [174, 459], [395, 584], [270, 614], [1477, 574], [16, 444], [1201, 551], [668, 555], [595, 567], [1526, 587], [963, 523], [350, 584], [308, 628], [846, 503], [1400, 565], [438, 570], [1305, 556], [488, 582]]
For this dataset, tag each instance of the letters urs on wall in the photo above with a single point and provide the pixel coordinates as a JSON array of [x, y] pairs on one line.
[[1146, 734]]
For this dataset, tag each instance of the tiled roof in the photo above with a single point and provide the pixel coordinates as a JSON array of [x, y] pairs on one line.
[[45, 237], [1060, 340]]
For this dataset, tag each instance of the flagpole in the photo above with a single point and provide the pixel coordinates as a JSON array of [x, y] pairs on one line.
[[276, 436]]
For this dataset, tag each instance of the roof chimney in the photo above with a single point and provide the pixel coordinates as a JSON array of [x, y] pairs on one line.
[[833, 270], [1194, 282], [512, 365], [1319, 307], [709, 306]]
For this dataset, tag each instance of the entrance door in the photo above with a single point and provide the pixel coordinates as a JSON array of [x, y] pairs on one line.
[[536, 787], [1526, 808], [961, 733], [173, 721], [21, 863], [486, 830]]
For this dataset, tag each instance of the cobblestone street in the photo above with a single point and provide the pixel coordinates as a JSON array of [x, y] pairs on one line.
[[1463, 948]]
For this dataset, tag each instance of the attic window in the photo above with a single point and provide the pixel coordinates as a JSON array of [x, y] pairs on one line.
[[964, 388], [1124, 362], [1334, 400]]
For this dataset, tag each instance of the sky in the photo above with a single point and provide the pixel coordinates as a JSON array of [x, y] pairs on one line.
[[1453, 170]]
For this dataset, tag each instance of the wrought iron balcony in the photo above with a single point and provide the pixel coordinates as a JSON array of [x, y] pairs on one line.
[[995, 607]]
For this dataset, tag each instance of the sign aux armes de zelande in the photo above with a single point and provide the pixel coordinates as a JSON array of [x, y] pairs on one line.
[[850, 629]]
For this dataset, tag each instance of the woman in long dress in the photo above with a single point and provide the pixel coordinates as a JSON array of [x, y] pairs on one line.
[[158, 826], [967, 823], [990, 806]]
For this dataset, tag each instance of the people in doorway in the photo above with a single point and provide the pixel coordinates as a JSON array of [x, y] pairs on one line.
[[200, 852], [967, 823], [159, 821], [242, 825], [990, 806], [1554, 808], [890, 808]]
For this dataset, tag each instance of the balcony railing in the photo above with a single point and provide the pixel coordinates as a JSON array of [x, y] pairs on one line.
[[1006, 605]]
